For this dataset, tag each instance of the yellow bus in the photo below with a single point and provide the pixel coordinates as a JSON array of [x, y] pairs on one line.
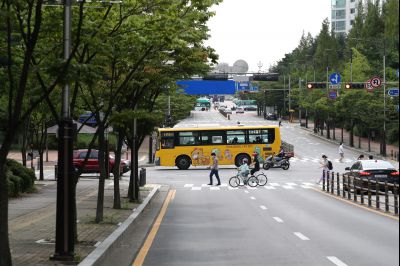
[[183, 147]]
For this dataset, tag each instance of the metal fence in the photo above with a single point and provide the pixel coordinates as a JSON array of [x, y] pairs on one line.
[[381, 196]]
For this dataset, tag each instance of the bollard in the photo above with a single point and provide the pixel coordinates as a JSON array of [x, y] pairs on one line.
[[348, 188], [142, 175], [378, 205], [386, 197], [323, 180], [332, 183], [327, 181], [362, 192], [369, 193], [354, 190], [343, 182], [396, 199], [338, 184]]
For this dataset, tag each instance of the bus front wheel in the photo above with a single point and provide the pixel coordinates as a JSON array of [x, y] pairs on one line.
[[183, 162]]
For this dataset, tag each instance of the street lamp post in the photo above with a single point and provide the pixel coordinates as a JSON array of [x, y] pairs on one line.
[[64, 246]]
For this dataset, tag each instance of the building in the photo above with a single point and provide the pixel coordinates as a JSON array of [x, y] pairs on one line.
[[343, 15]]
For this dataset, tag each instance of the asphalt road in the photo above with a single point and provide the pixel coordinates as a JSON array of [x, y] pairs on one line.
[[289, 222]]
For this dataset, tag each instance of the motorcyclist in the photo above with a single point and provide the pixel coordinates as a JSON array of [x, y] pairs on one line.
[[280, 155]]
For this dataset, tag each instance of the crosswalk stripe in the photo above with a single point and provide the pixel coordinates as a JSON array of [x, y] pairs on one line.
[[196, 188], [189, 185], [288, 187], [270, 187]]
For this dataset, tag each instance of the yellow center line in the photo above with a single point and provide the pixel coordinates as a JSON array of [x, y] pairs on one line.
[[173, 195], [356, 204], [150, 238]]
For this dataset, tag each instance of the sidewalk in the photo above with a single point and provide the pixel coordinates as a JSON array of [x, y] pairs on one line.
[[32, 220], [360, 144]]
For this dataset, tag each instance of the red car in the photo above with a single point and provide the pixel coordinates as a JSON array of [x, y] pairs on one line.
[[92, 164]]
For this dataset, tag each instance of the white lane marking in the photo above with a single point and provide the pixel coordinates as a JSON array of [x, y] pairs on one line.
[[336, 261], [275, 184], [204, 185], [291, 184], [196, 188], [224, 185], [306, 187], [253, 198], [301, 236], [246, 192], [263, 207], [288, 187], [188, 185], [270, 187], [308, 184], [279, 220], [214, 188]]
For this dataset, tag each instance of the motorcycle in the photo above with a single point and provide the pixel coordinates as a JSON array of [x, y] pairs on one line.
[[277, 162]]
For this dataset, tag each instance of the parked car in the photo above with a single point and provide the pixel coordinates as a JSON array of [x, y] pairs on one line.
[[240, 110], [250, 108], [92, 164], [375, 170]]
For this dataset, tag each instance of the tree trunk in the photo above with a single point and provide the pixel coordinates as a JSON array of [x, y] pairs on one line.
[[342, 134], [328, 130], [351, 135], [369, 140], [117, 195], [41, 173], [100, 194], [334, 130]]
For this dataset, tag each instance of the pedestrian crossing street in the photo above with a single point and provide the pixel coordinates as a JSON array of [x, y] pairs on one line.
[[269, 186]]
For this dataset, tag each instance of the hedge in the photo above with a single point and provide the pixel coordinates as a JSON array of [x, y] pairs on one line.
[[20, 178]]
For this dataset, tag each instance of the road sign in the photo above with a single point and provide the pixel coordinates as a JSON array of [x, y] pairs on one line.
[[333, 95], [393, 92], [335, 78], [368, 86], [376, 82]]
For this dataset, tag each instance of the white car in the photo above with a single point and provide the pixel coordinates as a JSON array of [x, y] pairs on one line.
[[240, 110]]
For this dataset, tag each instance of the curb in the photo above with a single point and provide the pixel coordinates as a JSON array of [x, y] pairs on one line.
[[97, 256]]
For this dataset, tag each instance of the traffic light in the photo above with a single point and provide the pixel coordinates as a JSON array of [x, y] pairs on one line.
[[216, 76], [316, 85], [355, 85], [266, 77]]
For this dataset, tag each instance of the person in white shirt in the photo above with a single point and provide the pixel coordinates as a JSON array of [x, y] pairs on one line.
[[325, 167], [341, 152]]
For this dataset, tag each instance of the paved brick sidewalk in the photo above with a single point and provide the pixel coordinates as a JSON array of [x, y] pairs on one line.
[[32, 220]]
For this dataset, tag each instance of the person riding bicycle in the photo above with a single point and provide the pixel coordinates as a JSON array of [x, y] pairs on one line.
[[256, 164], [244, 169]]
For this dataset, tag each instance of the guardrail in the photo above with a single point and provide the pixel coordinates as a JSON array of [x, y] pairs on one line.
[[361, 190]]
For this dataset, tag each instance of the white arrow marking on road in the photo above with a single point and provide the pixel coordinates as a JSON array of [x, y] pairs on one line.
[[336, 261], [279, 220], [301, 236], [263, 207]]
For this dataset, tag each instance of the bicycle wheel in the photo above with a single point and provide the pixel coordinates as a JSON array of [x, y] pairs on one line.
[[234, 181], [252, 181], [262, 179]]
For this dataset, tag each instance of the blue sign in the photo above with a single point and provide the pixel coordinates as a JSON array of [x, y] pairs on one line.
[[393, 92], [335, 78], [333, 94]]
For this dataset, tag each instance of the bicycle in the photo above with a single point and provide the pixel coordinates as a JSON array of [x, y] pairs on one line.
[[262, 179], [239, 180]]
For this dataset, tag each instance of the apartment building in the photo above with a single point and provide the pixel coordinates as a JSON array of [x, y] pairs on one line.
[[343, 15]]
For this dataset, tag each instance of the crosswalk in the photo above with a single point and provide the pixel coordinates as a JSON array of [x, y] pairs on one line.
[[269, 186]]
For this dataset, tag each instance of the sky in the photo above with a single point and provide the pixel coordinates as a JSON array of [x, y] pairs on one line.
[[263, 30]]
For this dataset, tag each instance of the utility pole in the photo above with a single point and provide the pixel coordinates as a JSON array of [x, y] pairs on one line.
[[65, 217], [290, 101], [384, 100]]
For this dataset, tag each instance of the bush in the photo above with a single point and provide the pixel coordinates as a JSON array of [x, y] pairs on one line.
[[21, 178]]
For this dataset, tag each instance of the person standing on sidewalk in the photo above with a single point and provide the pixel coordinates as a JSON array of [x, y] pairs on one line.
[[214, 169], [280, 121], [341, 152]]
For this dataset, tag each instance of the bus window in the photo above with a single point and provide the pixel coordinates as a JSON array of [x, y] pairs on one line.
[[236, 137], [212, 137], [261, 136], [188, 138], [167, 143]]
